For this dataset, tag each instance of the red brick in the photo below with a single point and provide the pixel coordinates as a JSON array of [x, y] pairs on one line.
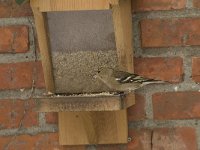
[[150, 5], [21, 75], [141, 139], [176, 105], [45, 141], [51, 118], [167, 69], [9, 8], [137, 111], [12, 112], [170, 32], [196, 69], [183, 138], [196, 3], [174, 139], [14, 39]]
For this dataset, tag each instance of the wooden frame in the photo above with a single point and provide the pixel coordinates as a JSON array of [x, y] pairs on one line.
[[90, 126]]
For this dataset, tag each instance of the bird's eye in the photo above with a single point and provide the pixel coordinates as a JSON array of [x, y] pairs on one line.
[[98, 71]]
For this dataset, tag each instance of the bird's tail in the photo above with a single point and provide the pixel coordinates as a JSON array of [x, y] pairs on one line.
[[152, 81]]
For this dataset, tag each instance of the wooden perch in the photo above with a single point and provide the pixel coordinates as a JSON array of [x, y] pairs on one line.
[[82, 103]]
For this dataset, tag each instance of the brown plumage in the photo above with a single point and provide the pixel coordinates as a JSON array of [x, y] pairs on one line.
[[123, 81]]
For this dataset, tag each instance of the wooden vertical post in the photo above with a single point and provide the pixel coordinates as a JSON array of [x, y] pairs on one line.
[[80, 128]]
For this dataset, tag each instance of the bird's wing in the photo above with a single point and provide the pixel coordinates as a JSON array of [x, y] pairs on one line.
[[125, 77], [120, 75]]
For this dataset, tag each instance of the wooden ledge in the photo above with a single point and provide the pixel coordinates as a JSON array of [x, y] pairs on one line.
[[72, 5], [83, 103]]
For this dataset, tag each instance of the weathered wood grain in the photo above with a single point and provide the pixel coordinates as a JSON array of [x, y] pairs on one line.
[[43, 41], [71, 103], [70, 5]]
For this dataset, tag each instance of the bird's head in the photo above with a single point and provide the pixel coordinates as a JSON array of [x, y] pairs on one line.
[[104, 73]]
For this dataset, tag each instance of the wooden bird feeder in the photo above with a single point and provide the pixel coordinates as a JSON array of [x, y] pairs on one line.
[[86, 118]]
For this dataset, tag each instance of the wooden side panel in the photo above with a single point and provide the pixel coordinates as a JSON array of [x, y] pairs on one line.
[[122, 18], [93, 128], [44, 49], [69, 5]]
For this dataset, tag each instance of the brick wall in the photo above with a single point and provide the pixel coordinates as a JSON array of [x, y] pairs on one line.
[[167, 44]]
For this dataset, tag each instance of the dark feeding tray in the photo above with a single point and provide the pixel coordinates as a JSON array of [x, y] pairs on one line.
[[82, 102]]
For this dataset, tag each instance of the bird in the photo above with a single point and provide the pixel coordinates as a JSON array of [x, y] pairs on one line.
[[122, 81]]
